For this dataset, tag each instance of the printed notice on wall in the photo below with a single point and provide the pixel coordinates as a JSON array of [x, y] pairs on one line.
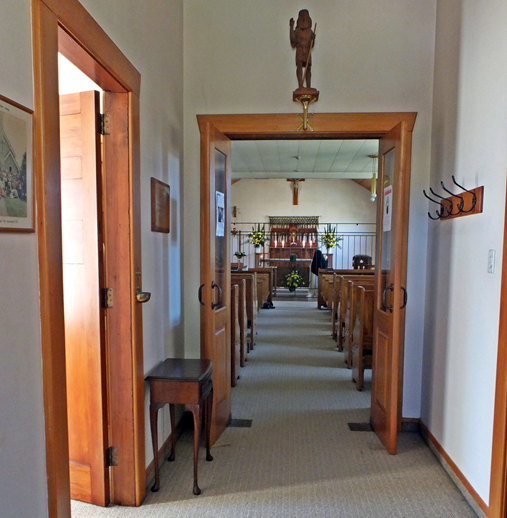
[[220, 214], [388, 208]]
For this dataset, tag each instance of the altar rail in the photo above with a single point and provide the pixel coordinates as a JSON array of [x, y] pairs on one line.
[[356, 239]]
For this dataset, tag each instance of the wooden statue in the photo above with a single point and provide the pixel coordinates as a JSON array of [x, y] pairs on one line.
[[302, 38]]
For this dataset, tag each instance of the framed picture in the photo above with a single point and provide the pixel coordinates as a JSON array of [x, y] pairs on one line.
[[160, 206], [16, 168]]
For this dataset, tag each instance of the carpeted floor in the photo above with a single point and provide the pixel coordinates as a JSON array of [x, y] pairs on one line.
[[299, 457]]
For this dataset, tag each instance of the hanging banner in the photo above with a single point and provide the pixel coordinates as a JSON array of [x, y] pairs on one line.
[[388, 208], [220, 204]]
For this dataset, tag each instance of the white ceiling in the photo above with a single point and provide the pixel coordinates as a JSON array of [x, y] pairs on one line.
[[346, 159]]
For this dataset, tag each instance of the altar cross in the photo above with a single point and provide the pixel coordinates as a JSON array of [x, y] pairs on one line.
[[295, 189]]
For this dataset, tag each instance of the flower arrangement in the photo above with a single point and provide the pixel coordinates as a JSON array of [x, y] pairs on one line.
[[240, 254], [257, 237], [329, 238], [293, 280]]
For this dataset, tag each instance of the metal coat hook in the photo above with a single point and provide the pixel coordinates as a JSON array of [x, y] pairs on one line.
[[460, 204], [473, 200], [439, 213], [474, 197], [447, 209]]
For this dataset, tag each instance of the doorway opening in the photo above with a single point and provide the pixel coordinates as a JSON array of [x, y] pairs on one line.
[[59, 29], [395, 133]]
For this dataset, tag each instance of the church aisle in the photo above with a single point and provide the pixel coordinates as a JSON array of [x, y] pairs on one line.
[[299, 457]]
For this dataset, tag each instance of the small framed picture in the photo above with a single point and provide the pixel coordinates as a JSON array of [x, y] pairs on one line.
[[160, 206], [16, 167]]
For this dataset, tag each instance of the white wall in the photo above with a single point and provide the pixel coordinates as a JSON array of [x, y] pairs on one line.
[[369, 56], [22, 446], [151, 38], [332, 200], [462, 311], [153, 43]]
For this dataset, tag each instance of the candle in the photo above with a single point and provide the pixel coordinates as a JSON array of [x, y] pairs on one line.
[[283, 243]]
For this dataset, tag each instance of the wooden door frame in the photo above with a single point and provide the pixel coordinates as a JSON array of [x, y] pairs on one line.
[[325, 126], [498, 483], [101, 60]]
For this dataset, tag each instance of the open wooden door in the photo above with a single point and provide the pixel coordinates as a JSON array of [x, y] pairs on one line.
[[214, 292], [84, 321], [391, 294]]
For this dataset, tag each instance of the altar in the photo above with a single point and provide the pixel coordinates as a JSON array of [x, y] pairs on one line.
[[293, 243]]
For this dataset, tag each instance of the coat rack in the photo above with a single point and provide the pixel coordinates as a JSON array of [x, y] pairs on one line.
[[464, 203]]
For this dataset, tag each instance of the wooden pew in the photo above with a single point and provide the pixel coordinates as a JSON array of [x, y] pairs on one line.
[[271, 284], [350, 307], [264, 282], [362, 334], [325, 289], [325, 279], [235, 335], [340, 300], [251, 302], [242, 318]]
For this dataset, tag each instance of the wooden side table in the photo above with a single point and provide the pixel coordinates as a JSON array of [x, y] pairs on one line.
[[181, 381]]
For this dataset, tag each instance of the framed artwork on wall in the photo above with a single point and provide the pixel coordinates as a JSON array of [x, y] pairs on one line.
[[16, 167], [160, 206]]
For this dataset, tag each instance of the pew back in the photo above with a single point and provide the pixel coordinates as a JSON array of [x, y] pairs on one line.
[[243, 319], [251, 301], [235, 335], [362, 342], [342, 303]]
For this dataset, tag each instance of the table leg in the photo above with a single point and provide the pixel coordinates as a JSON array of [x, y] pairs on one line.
[[208, 408], [172, 413], [196, 411], [154, 408]]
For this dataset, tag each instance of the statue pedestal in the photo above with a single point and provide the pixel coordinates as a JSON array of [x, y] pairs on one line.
[[305, 96], [310, 94]]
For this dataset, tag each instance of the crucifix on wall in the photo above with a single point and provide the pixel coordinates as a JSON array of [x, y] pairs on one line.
[[295, 189]]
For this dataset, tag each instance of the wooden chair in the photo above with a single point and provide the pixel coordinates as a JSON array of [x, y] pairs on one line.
[[362, 262]]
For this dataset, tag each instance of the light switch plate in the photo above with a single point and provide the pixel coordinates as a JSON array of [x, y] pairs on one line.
[[491, 261]]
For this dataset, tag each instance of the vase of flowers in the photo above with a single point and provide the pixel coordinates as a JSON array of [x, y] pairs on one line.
[[258, 236], [329, 238], [293, 280]]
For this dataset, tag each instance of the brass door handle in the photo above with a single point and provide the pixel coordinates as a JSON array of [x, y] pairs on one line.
[[142, 296]]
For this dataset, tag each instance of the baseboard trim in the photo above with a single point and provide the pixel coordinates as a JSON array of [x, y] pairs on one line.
[[471, 496]]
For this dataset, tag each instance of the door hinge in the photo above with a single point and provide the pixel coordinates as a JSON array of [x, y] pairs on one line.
[[105, 123], [111, 457], [107, 298]]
